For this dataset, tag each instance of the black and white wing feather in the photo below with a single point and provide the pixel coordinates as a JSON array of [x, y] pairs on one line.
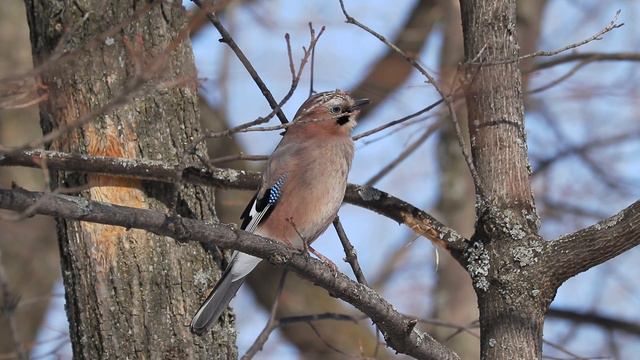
[[241, 264], [258, 209]]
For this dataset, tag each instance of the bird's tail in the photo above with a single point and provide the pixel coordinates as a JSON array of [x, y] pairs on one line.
[[221, 295]]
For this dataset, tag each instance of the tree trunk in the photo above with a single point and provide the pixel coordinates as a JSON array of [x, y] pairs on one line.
[[455, 300], [503, 256], [129, 293]]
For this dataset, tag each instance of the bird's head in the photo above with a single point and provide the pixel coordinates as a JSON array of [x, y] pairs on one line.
[[331, 111]]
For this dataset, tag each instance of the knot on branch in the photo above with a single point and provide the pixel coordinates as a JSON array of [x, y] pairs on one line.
[[180, 231], [411, 324], [278, 259], [368, 193]]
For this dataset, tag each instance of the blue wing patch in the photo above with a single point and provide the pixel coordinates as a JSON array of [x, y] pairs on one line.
[[276, 190]]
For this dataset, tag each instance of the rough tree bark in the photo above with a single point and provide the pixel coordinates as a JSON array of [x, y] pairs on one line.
[[455, 300], [129, 293], [511, 296]]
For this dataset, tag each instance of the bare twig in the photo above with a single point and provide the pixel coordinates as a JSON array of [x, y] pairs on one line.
[[227, 39], [389, 267], [271, 323], [597, 36], [563, 208], [349, 252], [404, 154], [352, 259], [557, 81], [586, 57], [324, 341], [567, 352], [250, 126], [396, 122], [289, 320], [584, 148], [431, 80], [241, 156], [312, 65], [594, 318]]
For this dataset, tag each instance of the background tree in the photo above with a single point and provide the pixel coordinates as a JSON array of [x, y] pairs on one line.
[[128, 291]]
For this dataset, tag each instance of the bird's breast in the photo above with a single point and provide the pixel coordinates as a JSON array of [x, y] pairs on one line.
[[315, 187]]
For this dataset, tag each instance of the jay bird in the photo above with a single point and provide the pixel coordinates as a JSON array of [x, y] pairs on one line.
[[301, 191]]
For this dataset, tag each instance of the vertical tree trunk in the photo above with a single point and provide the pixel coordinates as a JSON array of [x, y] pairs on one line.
[[456, 301], [502, 258], [130, 294]]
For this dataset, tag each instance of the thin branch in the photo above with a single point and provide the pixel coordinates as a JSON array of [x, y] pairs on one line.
[[594, 318], [376, 84], [586, 57], [349, 252], [393, 260], [367, 197], [431, 80], [289, 320], [241, 157], [586, 248], [399, 330], [557, 81], [557, 208], [590, 145], [597, 36], [271, 323], [399, 121], [313, 58], [404, 154], [566, 352], [352, 259], [250, 126], [227, 39]]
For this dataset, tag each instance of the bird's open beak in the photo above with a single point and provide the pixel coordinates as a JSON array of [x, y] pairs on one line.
[[359, 103]]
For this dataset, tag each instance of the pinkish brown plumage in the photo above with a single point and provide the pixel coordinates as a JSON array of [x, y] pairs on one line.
[[302, 189]]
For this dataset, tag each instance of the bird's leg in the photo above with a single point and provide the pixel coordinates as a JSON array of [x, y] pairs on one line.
[[306, 248], [305, 245], [325, 260]]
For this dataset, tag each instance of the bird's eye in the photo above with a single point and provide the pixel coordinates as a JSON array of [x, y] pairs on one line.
[[336, 110]]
